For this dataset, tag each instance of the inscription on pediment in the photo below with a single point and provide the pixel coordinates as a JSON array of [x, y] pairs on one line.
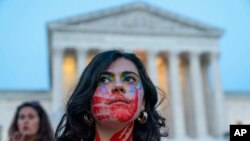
[[135, 21]]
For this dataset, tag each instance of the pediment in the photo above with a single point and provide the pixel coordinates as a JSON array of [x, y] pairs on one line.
[[136, 18]]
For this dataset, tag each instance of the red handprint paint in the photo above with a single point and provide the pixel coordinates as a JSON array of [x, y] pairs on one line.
[[125, 134], [119, 108]]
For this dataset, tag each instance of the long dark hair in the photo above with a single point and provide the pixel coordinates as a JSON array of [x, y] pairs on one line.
[[72, 126], [45, 132]]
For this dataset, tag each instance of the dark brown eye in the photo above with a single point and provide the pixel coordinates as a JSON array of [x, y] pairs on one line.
[[104, 79], [31, 116], [21, 117], [129, 79]]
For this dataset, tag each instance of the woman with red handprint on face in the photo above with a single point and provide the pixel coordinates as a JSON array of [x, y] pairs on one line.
[[117, 100], [114, 100]]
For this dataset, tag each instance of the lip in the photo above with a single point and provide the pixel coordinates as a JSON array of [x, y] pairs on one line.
[[25, 128], [118, 100]]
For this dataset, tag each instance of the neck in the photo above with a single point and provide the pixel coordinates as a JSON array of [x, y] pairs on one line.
[[114, 133]]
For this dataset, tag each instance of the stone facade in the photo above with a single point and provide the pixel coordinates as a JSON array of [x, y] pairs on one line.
[[238, 105]]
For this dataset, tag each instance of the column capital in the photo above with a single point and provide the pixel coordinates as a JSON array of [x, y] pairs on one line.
[[195, 54], [58, 50], [153, 52], [214, 55], [173, 53], [82, 50]]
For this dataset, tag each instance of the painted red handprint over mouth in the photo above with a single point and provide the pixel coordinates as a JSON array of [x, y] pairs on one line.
[[118, 99], [117, 107]]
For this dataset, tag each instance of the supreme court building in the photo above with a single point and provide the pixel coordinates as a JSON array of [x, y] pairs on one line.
[[180, 54]]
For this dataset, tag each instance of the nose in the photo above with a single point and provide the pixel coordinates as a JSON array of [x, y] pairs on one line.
[[119, 89], [25, 121]]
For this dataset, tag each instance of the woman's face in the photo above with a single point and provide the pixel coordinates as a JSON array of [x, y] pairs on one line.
[[119, 94], [28, 121]]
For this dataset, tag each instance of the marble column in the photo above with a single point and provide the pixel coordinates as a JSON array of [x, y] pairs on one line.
[[176, 103], [57, 85], [81, 60], [152, 56], [218, 100], [206, 87], [197, 93], [188, 100]]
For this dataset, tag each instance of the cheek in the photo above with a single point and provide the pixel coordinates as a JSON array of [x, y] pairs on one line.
[[140, 101], [131, 89], [137, 106], [132, 92], [141, 106], [35, 125], [19, 124], [136, 89], [141, 94], [100, 95], [102, 90]]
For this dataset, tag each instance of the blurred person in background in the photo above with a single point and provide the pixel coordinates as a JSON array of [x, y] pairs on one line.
[[114, 100], [30, 123]]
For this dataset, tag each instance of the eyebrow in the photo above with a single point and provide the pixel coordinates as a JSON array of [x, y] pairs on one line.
[[107, 73], [130, 72], [123, 73]]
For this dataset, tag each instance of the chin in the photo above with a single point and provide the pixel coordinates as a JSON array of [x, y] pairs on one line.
[[27, 133], [117, 121]]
